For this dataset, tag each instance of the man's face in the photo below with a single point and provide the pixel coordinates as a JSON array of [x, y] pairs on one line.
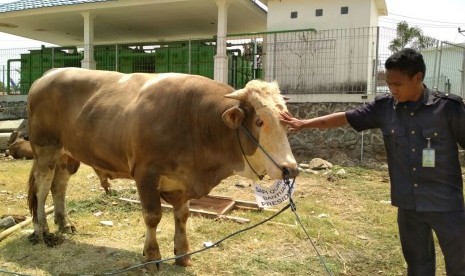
[[403, 87]]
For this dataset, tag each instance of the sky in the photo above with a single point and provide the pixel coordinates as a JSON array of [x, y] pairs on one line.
[[438, 19]]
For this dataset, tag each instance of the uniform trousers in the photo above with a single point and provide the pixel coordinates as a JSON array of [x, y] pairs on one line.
[[416, 236]]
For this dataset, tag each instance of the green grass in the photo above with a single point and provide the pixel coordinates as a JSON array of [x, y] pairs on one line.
[[346, 216]]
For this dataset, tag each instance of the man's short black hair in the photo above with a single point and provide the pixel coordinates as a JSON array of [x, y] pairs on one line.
[[407, 61]]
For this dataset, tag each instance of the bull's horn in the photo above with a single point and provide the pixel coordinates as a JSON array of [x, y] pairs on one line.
[[240, 94]]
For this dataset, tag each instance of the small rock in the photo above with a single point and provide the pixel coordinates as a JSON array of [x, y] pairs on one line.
[[106, 222], [320, 164], [322, 216], [311, 171], [98, 213], [384, 167], [207, 244], [341, 171], [304, 166], [7, 222]]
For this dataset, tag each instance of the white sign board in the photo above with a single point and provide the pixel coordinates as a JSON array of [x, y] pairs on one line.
[[268, 197]]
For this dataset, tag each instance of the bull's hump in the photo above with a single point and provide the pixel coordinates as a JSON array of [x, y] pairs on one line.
[[159, 77]]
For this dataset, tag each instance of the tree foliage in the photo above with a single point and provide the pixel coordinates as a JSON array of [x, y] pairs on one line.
[[412, 37]]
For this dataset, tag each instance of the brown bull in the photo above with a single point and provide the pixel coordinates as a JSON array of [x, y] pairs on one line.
[[176, 135], [19, 149]]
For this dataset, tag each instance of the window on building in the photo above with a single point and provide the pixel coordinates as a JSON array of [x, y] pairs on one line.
[[319, 12], [344, 10], [294, 14]]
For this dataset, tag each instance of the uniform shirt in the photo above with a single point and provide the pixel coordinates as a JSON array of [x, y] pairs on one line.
[[405, 128]]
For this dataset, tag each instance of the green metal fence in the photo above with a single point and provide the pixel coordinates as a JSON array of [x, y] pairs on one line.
[[302, 61]]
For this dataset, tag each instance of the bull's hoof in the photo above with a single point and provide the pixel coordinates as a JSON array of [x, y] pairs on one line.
[[34, 238], [184, 261], [152, 267], [68, 229], [50, 239]]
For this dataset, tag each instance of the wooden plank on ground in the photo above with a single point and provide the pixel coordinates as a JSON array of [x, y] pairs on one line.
[[205, 213]]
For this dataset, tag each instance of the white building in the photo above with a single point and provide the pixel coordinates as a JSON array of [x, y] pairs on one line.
[[324, 14], [337, 52]]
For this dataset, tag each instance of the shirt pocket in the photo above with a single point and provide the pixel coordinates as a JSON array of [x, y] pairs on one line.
[[434, 135], [394, 137]]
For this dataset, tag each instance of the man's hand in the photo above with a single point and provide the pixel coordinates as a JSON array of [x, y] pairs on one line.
[[293, 123]]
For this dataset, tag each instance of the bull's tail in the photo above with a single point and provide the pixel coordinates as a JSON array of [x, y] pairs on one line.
[[32, 193]]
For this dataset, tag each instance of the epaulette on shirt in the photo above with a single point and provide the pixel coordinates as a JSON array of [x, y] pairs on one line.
[[449, 96], [384, 96]]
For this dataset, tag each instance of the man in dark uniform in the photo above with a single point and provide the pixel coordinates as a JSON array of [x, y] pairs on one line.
[[421, 129]]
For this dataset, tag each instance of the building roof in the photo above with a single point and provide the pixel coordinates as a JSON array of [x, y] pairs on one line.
[[37, 4], [61, 22]]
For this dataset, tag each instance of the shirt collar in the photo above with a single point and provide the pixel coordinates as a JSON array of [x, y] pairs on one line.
[[428, 96]]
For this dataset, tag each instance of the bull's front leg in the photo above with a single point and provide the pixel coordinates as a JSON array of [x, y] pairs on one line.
[[181, 214], [181, 245], [147, 181]]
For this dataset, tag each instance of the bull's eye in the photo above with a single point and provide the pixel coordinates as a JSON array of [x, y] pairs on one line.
[[259, 122]]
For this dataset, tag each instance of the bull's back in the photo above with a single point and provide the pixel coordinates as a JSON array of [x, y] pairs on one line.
[[111, 120], [79, 111]]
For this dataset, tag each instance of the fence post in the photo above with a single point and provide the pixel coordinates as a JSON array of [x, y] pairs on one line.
[[53, 57], [189, 57], [3, 77], [274, 55], [439, 64], [116, 58], [462, 85], [435, 63], [376, 61]]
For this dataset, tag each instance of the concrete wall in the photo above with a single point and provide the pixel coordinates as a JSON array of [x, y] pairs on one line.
[[343, 146], [13, 107]]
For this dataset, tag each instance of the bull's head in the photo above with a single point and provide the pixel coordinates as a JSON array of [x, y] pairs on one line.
[[261, 104]]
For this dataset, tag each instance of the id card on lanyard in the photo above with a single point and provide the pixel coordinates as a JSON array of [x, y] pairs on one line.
[[428, 158]]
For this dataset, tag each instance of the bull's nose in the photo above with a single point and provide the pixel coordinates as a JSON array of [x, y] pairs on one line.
[[290, 171]]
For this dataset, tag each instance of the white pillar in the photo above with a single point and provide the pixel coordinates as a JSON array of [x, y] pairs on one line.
[[88, 61], [221, 59]]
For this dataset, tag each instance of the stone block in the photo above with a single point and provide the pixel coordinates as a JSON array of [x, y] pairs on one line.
[[10, 125], [4, 137]]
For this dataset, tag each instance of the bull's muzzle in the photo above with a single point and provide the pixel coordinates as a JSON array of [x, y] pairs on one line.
[[290, 171]]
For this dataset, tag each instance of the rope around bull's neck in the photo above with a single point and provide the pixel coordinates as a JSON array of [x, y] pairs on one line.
[[255, 141]]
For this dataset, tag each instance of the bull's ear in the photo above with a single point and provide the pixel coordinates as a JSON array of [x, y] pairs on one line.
[[240, 94], [233, 117]]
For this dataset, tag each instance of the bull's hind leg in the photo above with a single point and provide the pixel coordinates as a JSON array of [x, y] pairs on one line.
[[40, 182], [147, 182], [65, 167]]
